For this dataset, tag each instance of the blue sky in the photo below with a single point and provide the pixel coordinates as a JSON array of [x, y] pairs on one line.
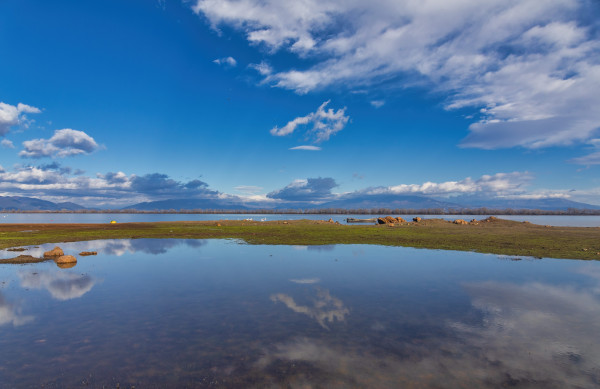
[[115, 102]]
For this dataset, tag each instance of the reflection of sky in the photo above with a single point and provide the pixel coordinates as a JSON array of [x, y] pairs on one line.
[[61, 285], [325, 307], [117, 247], [530, 334], [11, 314], [397, 317]]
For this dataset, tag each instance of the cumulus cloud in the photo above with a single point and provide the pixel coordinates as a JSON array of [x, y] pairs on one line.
[[64, 143], [228, 61], [11, 116], [499, 183], [533, 68], [325, 123], [7, 144], [310, 189], [57, 183], [62, 286], [306, 147]]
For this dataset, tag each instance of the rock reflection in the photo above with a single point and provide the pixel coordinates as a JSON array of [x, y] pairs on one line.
[[11, 314], [325, 307], [62, 286]]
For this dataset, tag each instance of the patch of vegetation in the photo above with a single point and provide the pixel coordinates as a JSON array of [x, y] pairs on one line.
[[496, 236]]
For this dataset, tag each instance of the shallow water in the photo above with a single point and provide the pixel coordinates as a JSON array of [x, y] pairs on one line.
[[217, 313], [569, 221]]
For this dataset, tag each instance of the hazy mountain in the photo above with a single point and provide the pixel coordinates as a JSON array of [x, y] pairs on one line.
[[542, 204], [355, 201], [186, 204], [388, 201], [16, 203]]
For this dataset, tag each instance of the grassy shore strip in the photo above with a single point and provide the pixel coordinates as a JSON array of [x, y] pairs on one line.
[[496, 236]]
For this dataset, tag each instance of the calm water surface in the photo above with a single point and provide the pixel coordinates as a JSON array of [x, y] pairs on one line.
[[572, 221], [217, 313]]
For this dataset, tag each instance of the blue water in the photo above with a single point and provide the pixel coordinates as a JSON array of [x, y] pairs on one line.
[[574, 221], [220, 313]]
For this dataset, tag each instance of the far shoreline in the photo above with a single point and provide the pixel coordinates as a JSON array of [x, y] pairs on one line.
[[491, 235], [327, 211]]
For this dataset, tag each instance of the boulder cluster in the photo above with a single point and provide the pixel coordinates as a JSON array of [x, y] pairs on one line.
[[390, 220], [59, 257]]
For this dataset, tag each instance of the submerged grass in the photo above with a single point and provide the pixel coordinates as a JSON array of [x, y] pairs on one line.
[[495, 236]]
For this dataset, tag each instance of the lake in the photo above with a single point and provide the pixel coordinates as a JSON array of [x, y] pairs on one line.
[[220, 313], [570, 221]]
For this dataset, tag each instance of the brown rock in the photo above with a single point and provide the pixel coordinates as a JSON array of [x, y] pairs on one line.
[[55, 252], [390, 224], [66, 259], [400, 220], [417, 219], [460, 221], [84, 253], [380, 220], [330, 220], [66, 265]]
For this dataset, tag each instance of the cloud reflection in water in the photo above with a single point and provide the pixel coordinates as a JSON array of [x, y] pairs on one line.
[[528, 335], [325, 307], [11, 314], [61, 285]]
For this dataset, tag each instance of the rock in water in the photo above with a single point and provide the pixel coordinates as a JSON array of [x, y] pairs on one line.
[[55, 252], [66, 259], [417, 219], [66, 265]]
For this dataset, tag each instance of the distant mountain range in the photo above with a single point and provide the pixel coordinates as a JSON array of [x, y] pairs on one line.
[[15, 203], [187, 204], [389, 201]]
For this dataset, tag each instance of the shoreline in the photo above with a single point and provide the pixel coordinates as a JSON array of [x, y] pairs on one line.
[[495, 236]]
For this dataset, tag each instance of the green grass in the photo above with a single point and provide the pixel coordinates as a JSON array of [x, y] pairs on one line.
[[497, 237]]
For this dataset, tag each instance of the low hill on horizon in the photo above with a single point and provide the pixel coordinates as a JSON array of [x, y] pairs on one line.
[[17, 203]]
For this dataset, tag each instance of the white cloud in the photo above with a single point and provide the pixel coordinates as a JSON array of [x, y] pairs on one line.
[[306, 147], [7, 144], [305, 280], [377, 103], [11, 116], [229, 61], [263, 68], [251, 189], [497, 184], [64, 143], [325, 123], [533, 66], [592, 158]]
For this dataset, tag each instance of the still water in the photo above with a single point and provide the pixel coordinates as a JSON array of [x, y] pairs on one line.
[[570, 221], [219, 313]]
